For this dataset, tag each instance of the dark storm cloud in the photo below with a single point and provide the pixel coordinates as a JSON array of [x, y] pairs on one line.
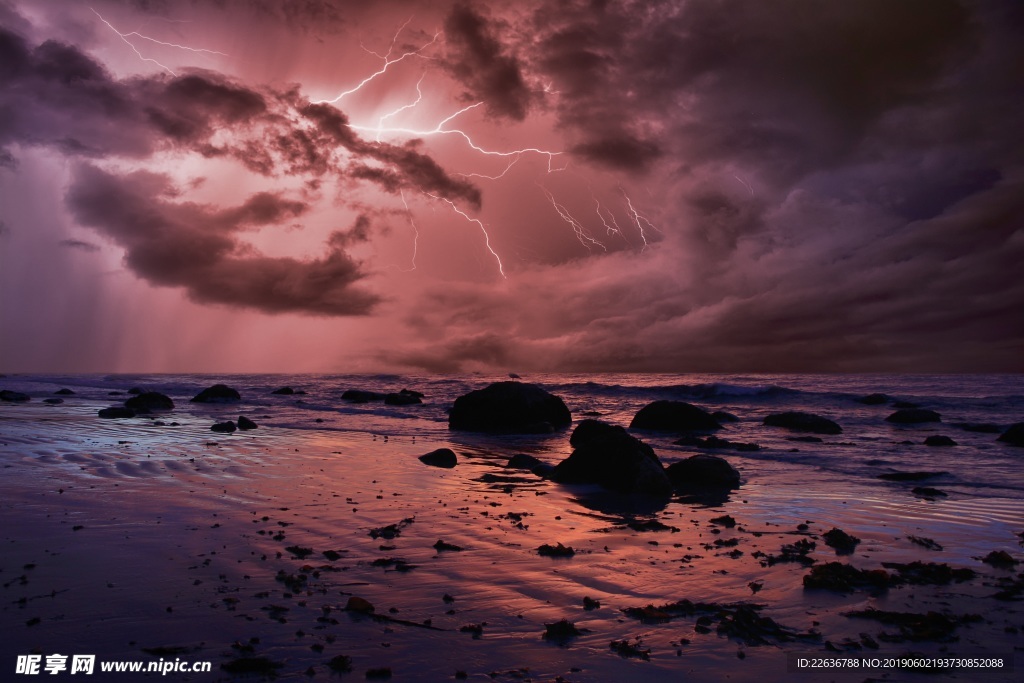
[[57, 96], [182, 244], [479, 61], [790, 83]]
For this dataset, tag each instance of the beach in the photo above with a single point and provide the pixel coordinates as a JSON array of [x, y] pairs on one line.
[[156, 539]]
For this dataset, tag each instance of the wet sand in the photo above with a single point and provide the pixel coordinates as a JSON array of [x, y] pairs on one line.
[[120, 537]]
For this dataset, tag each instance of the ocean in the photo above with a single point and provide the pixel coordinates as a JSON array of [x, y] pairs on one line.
[[155, 537]]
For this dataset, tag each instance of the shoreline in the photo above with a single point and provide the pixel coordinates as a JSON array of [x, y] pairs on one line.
[[170, 521]]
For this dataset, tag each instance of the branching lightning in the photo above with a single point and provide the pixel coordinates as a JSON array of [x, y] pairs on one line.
[[419, 98], [581, 233], [612, 229], [483, 229], [745, 184], [388, 62], [415, 231], [124, 37], [638, 218]]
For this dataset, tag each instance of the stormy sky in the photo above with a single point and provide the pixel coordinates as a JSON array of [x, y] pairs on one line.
[[333, 186]]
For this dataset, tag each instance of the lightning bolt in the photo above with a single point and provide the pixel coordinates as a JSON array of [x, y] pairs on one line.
[[388, 62], [440, 129], [124, 37], [638, 218], [577, 227], [483, 229], [501, 175], [745, 184], [612, 229], [419, 98], [415, 230]]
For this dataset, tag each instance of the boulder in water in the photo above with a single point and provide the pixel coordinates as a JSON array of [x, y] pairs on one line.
[[283, 391], [64, 392], [703, 471], [939, 440], [674, 416], [223, 427], [609, 456], [873, 399], [509, 407], [150, 400], [402, 398], [13, 396], [914, 416], [116, 412], [218, 393], [360, 396], [442, 457], [246, 423], [1014, 435], [803, 422]]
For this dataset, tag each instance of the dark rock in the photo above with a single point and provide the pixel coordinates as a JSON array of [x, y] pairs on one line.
[[981, 427], [509, 407], [674, 416], [149, 401], [559, 550], [609, 456], [223, 427], [522, 461], [803, 422], [716, 442], [64, 392], [441, 545], [135, 391], [360, 396], [13, 396], [283, 391], [340, 664], [909, 476], [909, 416], [1001, 559], [218, 393], [116, 412], [927, 573], [728, 521], [939, 440], [410, 392], [53, 401], [592, 430], [931, 626], [401, 399], [442, 457], [246, 423], [561, 631], [1014, 435], [360, 605], [590, 604], [843, 542], [928, 492], [722, 416], [873, 399], [703, 471], [845, 578]]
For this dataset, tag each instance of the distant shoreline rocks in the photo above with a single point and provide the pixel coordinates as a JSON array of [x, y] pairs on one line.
[[218, 393], [914, 416]]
